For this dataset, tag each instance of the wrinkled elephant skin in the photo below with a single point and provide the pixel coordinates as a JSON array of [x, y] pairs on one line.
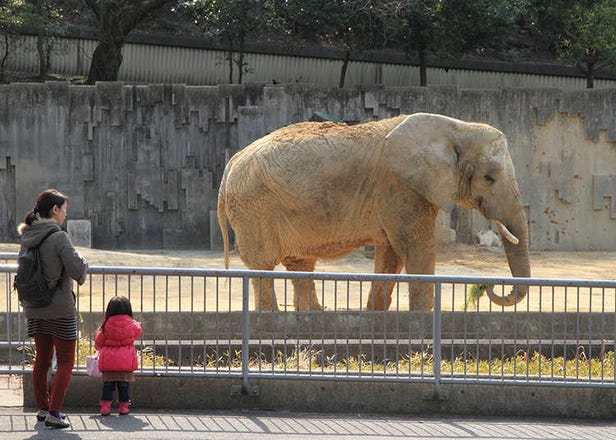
[[319, 190]]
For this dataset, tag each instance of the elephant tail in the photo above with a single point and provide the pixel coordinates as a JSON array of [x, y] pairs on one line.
[[222, 222]]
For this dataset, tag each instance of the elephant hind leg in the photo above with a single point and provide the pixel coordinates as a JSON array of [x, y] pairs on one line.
[[265, 297], [304, 290], [263, 288], [258, 251], [385, 261]]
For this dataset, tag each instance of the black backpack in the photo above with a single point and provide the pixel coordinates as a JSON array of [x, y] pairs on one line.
[[30, 283]]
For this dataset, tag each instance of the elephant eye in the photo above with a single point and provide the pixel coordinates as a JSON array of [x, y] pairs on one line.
[[489, 179]]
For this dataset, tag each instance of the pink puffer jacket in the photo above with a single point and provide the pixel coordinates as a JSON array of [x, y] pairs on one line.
[[116, 344]]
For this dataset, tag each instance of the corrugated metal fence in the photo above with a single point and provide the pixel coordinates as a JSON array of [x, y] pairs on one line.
[[202, 323], [145, 63]]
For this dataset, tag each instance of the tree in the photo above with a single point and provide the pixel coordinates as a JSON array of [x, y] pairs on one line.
[[231, 23], [352, 25], [589, 37], [116, 20], [450, 28], [546, 22], [11, 18], [46, 18]]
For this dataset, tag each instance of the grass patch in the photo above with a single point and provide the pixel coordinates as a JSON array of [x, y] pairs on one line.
[[304, 360], [520, 365]]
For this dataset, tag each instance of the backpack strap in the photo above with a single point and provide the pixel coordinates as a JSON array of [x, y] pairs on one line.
[[46, 236], [53, 231]]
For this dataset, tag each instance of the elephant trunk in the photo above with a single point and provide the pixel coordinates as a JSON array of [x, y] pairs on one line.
[[518, 259]]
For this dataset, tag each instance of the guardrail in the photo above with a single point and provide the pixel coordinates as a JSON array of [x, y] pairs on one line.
[[202, 323]]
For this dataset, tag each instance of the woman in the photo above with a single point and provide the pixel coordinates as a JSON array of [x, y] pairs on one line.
[[53, 327]]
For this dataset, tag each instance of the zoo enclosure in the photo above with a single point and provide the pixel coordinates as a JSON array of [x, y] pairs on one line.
[[202, 323], [169, 145]]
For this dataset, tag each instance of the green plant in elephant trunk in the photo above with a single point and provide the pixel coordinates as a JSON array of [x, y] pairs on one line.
[[315, 190]]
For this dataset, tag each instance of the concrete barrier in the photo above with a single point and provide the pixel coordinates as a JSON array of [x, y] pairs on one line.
[[346, 396]]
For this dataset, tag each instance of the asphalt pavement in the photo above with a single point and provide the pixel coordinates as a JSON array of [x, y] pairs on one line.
[[20, 423]]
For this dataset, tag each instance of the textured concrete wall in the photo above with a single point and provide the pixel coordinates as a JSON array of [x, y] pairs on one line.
[[142, 163]]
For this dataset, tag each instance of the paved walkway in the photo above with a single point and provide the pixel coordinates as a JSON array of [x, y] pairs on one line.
[[17, 423]]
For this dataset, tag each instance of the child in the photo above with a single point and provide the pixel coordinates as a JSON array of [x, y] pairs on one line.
[[117, 357]]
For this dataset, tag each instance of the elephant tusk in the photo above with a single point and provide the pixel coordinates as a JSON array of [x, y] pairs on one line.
[[506, 233]]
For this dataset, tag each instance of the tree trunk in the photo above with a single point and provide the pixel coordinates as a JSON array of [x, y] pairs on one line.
[[230, 67], [48, 48], [588, 70], [116, 20], [240, 58], [590, 76], [345, 65], [106, 62], [5, 55], [423, 69], [240, 65], [42, 56]]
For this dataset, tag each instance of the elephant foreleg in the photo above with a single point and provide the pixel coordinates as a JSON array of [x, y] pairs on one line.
[[304, 290], [421, 260], [385, 261]]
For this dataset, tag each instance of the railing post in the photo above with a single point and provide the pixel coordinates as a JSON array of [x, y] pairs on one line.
[[245, 333], [436, 393], [245, 388]]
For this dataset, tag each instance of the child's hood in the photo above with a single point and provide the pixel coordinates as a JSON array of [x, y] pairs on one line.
[[122, 327]]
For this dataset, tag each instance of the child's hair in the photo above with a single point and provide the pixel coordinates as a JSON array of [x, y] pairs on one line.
[[118, 305]]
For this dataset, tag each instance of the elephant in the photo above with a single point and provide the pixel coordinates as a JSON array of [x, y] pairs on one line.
[[317, 190]]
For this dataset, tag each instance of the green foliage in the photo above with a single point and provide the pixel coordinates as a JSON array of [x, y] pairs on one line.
[[448, 28], [44, 17], [10, 16], [474, 294], [355, 25], [545, 20], [582, 33], [228, 21], [351, 25], [589, 37], [11, 19], [232, 23]]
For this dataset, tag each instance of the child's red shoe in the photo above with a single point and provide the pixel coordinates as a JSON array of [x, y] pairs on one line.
[[123, 408], [105, 407]]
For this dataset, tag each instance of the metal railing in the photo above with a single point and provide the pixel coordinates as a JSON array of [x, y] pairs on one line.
[[203, 323]]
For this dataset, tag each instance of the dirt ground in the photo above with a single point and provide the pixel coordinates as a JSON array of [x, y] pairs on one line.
[[452, 259]]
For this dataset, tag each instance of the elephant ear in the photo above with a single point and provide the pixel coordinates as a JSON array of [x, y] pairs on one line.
[[421, 153]]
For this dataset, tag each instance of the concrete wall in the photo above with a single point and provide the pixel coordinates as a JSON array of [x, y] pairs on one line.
[[142, 163], [346, 396]]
